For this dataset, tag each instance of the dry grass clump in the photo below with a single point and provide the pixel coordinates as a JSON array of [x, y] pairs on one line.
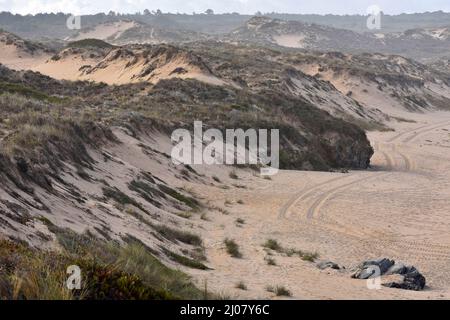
[[232, 248], [178, 235], [109, 271], [272, 244], [279, 291], [241, 285]]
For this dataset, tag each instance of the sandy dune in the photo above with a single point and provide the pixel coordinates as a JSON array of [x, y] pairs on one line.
[[18, 58], [104, 31], [114, 66], [398, 209], [124, 69]]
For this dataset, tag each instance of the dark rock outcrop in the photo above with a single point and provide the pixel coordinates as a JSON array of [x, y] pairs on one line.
[[409, 277], [366, 269]]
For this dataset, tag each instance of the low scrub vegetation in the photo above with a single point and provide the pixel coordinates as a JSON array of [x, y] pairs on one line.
[[272, 244], [15, 88], [185, 261], [178, 235], [92, 43], [271, 261], [109, 271], [189, 201], [279, 291]]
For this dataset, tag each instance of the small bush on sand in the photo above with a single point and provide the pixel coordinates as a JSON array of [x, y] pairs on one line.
[[185, 261], [309, 256], [271, 261], [241, 285], [232, 248], [279, 291], [273, 244], [179, 235]]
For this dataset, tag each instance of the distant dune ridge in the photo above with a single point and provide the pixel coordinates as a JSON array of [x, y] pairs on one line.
[[359, 82], [422, 44]]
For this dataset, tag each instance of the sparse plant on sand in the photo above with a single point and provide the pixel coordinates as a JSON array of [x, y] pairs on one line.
[[232, 248], [271, 261], [279, 291], [272, 244], [241, 285]]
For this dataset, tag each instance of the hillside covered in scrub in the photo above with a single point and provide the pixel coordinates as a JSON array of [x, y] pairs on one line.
[[81, 159], [54, 25]]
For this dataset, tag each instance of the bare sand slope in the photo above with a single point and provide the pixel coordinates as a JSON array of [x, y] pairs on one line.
[[290, 40], [19, 57], [104, 31], [121, 67], [399, 209]]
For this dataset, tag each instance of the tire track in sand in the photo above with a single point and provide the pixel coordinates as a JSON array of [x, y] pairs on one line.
[[391, 163], [408, 162], [323, 198], [415, 130], [421, 132], [304, 193], [389, 160]]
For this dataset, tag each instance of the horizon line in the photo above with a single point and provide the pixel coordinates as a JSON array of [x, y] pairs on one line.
[[152, 12]]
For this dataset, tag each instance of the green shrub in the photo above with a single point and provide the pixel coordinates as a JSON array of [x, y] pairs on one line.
[[309, 256], [16, 88], [232, 248], [272, 245], [185, 261], [106, 282], [189, 201], [92, 43]]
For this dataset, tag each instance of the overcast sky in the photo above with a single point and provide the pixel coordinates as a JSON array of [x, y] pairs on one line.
[[219, 6]]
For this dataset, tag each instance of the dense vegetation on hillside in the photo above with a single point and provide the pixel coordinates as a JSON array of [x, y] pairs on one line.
[[54, 25], [310, 138]]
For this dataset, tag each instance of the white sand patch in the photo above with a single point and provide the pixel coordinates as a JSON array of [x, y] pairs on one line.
[[104, 31], [122, 70], [440, 34], [290, 40]]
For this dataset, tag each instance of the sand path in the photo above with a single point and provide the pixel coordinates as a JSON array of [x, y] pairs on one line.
[[400, 209]]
